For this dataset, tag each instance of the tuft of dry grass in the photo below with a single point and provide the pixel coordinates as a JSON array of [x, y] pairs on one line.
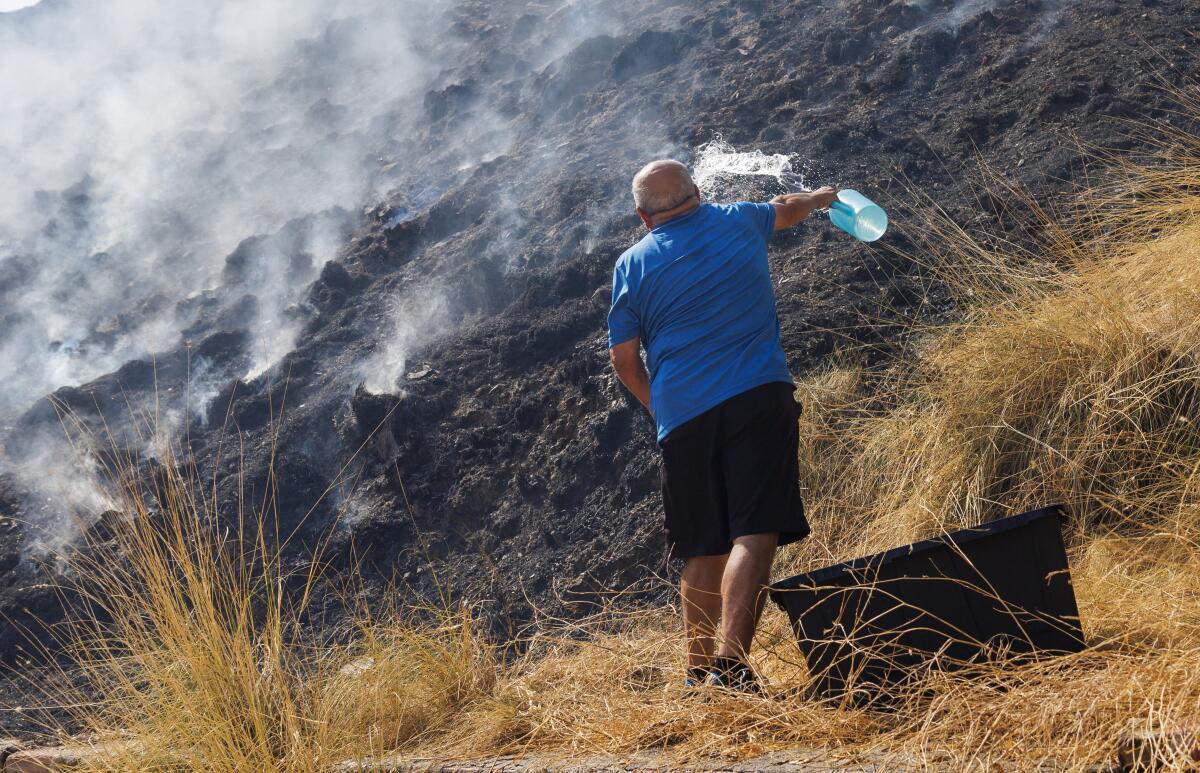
[[199, 643]]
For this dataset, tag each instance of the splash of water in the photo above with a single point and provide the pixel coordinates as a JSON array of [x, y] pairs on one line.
[[718, 163]]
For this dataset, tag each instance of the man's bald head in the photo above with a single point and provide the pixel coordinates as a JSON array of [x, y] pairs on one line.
[[661, 186]]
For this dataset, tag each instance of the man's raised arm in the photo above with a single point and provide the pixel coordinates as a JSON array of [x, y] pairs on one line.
[[792, 208], [627, 362]]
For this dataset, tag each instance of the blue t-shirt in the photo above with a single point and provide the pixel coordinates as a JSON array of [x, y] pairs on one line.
[[697, 291]]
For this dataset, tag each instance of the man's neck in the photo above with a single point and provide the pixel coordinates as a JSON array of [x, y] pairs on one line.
[[684, 208]]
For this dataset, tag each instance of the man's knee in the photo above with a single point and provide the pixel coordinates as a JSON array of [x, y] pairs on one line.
[[704, 569], [758, 544]]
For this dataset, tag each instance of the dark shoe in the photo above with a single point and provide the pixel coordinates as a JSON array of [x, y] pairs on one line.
[[734, 675], [696, 677]]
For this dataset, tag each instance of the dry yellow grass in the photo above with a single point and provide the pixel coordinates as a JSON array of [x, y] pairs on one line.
[[194, 640], [1073, 376]]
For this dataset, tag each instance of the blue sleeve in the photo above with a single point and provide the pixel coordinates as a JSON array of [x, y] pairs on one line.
[[622, 320], [761, 217]]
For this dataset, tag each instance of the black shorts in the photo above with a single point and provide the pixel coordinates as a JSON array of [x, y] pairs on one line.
[[732, 471]]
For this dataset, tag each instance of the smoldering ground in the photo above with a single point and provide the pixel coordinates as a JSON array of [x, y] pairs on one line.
[[175, 171]]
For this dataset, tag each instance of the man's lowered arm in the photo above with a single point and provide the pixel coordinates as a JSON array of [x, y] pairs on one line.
[[627, 362]]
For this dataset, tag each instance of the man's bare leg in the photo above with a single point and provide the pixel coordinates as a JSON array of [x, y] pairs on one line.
[[700, 587], [746, 573]]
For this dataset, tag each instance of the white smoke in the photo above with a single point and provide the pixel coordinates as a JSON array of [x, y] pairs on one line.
[[414, 318], [144, 144], [953, 16], [142, 140]]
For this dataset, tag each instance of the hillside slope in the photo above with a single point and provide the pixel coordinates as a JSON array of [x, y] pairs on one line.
[[507, 460]]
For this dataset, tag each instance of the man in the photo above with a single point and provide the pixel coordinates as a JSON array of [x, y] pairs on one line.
[[696, 293]]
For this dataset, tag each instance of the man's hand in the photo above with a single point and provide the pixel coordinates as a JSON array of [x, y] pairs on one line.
[[792, 208], [627, 362]]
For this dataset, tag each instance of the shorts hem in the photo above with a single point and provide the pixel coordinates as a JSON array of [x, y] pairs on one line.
[[786, 537]]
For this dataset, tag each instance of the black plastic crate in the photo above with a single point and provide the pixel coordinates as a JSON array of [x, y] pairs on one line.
[[994, 592]]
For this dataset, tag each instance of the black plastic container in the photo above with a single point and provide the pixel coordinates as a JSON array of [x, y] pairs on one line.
[[997, 591]]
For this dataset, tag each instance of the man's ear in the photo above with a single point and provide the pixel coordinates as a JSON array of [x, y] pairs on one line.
[[645, 219], [699, 198]]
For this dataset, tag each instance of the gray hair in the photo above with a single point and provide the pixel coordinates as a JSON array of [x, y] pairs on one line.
[[661, 186]]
